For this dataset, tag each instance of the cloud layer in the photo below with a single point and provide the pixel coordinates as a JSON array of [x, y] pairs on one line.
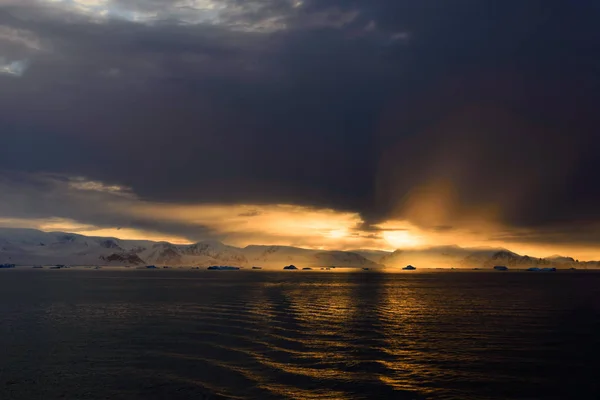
[[445, 116]]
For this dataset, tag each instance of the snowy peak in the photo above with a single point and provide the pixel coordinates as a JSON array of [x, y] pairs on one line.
[[208, 248], [120, 259], [110, 244], [162, 253], [562, 259], [218, 252]]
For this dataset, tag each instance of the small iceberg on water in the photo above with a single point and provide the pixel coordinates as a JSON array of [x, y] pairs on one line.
[[222, 268], [535, 269]]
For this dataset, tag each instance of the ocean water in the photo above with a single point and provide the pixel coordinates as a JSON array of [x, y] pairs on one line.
[[169, 334]]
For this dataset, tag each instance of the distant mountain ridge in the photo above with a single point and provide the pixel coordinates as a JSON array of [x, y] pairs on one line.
[[33, 247], [486, 257]]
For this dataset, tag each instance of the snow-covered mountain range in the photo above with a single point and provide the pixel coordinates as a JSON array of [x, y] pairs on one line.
[[33, 247], [478, 257]]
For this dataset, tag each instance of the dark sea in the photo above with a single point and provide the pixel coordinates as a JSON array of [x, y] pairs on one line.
[[175, 334]]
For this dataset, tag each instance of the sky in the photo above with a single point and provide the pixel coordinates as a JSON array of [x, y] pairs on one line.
[[334, 124]]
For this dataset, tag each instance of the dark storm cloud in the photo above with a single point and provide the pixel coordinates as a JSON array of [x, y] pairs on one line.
[[353, 105], [40, 196], [508, 118], [173, 110]]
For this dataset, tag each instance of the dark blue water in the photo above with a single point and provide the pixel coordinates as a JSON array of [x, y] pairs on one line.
[[82, 334]]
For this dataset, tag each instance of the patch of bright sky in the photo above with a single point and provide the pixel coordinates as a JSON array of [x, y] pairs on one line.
[[80, 183], [20, 36], [13, 68], [101, 10], [213, 12], [270, 220], [71, 226], [244, 16]]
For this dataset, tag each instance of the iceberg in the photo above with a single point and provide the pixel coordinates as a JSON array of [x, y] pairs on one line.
[[535, 269], [409, 268]]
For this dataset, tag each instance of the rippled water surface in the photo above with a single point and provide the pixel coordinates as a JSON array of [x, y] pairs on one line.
[[120, 334]]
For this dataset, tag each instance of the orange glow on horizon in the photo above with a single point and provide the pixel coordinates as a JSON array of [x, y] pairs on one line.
[[399, 239], [287, 225]]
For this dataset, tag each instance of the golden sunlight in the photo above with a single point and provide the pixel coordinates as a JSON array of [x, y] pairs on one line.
[[402, 239], [338, 233], [71, 226], [278, 224]]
